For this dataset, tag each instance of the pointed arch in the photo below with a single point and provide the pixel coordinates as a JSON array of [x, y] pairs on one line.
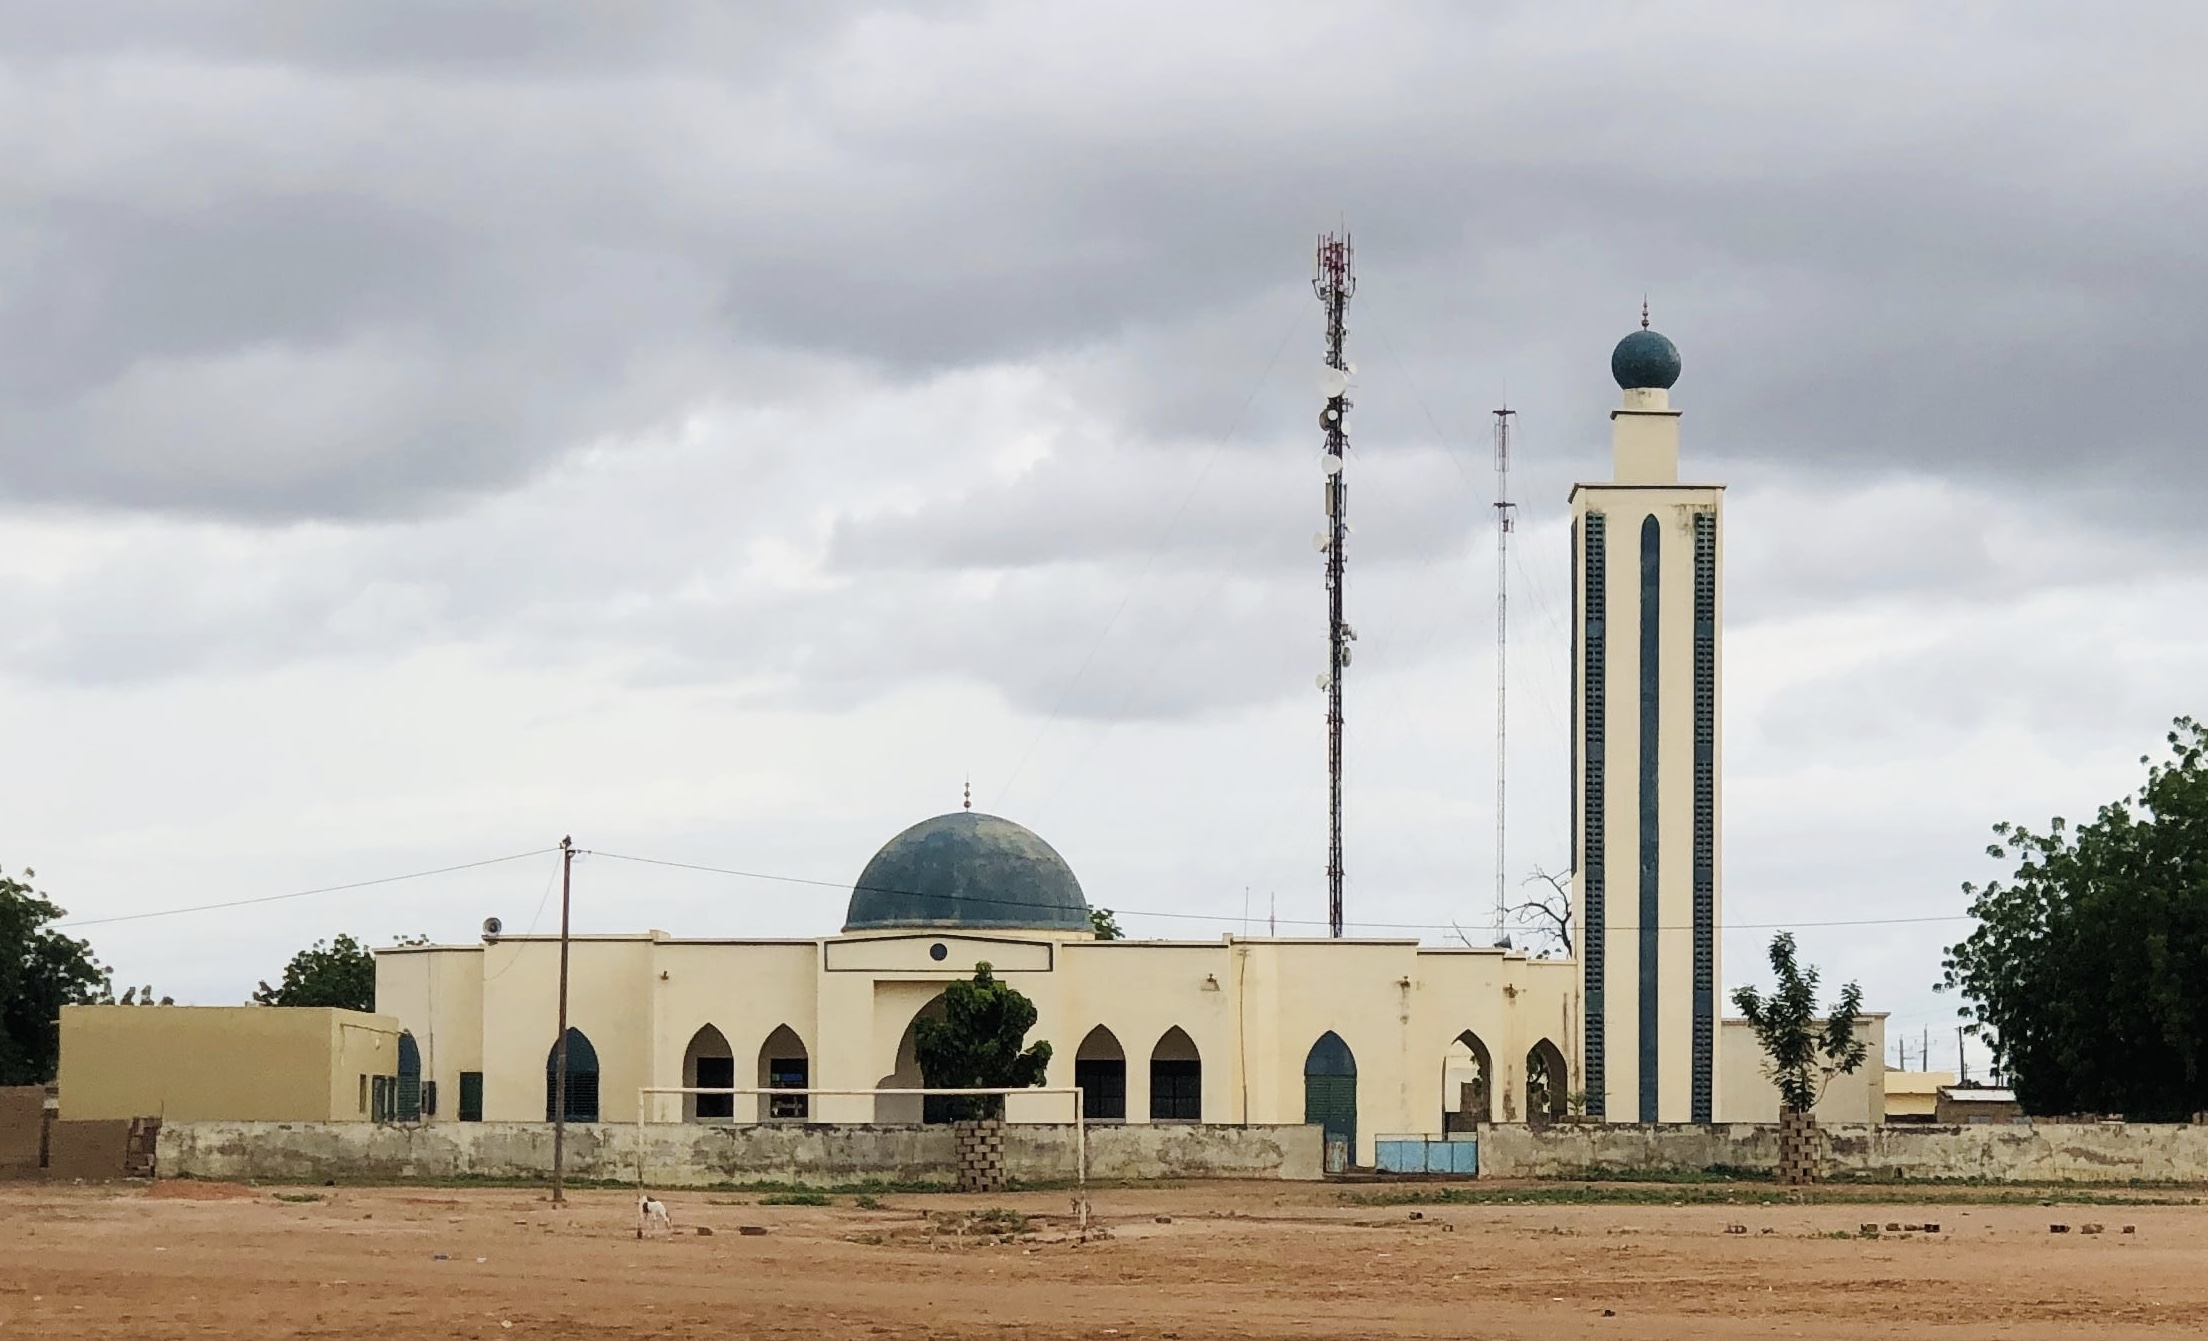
[[707, 1063], [784, 1064], [410, 1078], [1100, 1069], [1330, 1090], [1467, 1084], [1176, 1078], [908, 1108], [582, 1078], [1548, 1084]]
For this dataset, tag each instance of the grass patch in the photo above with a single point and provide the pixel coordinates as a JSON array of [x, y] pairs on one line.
[[1620, 1193], [867, 1203], [796, 1199], [298, 1197]]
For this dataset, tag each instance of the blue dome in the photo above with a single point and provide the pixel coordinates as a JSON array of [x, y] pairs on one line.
[[1645, 359], [967, 870]]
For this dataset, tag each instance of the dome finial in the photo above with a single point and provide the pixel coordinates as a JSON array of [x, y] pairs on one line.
[[1644, 311], [969, 803]]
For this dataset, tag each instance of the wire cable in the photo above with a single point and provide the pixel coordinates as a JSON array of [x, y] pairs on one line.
[[965, 898], [303, 893]]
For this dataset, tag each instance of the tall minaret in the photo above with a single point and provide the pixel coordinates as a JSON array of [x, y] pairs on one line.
[[1647, 605]]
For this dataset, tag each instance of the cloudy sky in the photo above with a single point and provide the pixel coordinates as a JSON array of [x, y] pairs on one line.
[[717, 432]]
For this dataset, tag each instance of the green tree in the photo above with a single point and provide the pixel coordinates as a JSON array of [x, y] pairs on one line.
[[1106, 924], [980, 1043], [41, 971], [1803, 1054], [2087, 973], [338, 972]]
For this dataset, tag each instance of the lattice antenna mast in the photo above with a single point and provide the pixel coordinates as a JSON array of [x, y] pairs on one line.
[[1334, 280], [1506, 518]]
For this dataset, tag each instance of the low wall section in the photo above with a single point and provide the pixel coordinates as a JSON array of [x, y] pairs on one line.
[[696, 1154], [2104, 1152]]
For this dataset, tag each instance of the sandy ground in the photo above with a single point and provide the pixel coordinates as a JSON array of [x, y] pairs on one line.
[[1228, 1260]]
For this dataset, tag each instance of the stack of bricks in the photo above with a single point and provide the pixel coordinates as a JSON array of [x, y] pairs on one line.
[[1798, 1161], [980, 1155]]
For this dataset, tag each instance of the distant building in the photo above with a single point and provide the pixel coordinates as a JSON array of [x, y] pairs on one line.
[[1361, 1036], [1913, 1096], [1961, 1105]]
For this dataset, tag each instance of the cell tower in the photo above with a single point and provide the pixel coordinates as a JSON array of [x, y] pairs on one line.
[[1506, 515], [1334, 281]]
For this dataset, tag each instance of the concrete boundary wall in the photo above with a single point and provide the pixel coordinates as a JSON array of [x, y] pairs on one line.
[[2105, 1152], [699, 1154]]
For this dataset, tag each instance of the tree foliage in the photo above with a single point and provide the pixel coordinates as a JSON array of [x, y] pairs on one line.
[[981, 1043], [41, 971], [2088, 971], [339, 972], [1105, 924], [1803, 1053]]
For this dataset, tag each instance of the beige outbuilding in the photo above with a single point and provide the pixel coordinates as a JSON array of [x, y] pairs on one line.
[[229, 1064]]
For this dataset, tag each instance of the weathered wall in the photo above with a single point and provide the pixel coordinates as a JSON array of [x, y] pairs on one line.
[[680, 1155], [93, 1150], [22, 1115], [2049, 1152]]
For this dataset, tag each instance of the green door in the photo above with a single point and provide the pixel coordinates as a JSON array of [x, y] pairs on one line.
[[1331, 1102], [1330, 1090]]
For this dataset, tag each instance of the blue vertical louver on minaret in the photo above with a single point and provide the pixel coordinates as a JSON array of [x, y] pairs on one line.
[[1705, 811], [1593, 648], [1652, 541]]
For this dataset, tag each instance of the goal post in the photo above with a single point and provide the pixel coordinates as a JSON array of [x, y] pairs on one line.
[[646, 1095]]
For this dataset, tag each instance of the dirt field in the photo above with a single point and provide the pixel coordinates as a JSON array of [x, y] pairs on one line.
[[1202, 1260]]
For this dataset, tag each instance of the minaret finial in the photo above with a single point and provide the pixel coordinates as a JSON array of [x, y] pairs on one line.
[[1644, 311], [969, 793]]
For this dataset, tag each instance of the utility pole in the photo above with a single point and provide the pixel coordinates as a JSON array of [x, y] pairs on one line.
[[559, 1046], [1505, 521], [1334, 280]]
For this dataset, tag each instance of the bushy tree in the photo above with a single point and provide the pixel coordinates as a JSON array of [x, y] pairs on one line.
[[41, 971], [340, 972], [2087, 974], [1803, 1055], [1105, 923], [980, 1043]]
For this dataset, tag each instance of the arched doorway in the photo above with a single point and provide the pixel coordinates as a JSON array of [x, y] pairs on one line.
[[707, 1064], [1548, 1084], [1467, 1084], [1330, 1090], [1100, 1069], [909, 1108], [410, 1079], [582, 1078], [1176, 1079], [784, 1065]]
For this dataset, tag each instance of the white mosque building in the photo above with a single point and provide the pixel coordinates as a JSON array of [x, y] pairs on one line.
[[1367, 1037]]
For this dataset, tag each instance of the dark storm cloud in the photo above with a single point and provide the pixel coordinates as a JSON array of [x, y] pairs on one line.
[[334, 260]]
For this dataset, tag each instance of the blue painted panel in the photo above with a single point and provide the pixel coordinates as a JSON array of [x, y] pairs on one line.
[[1401, 1156]]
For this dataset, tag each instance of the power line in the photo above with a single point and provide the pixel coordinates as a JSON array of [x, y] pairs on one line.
[[303, 893], [1438, 927], [1206, 917]]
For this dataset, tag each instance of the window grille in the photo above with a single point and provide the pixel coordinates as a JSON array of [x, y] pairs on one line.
[[1705, 812], [1594, 571]]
